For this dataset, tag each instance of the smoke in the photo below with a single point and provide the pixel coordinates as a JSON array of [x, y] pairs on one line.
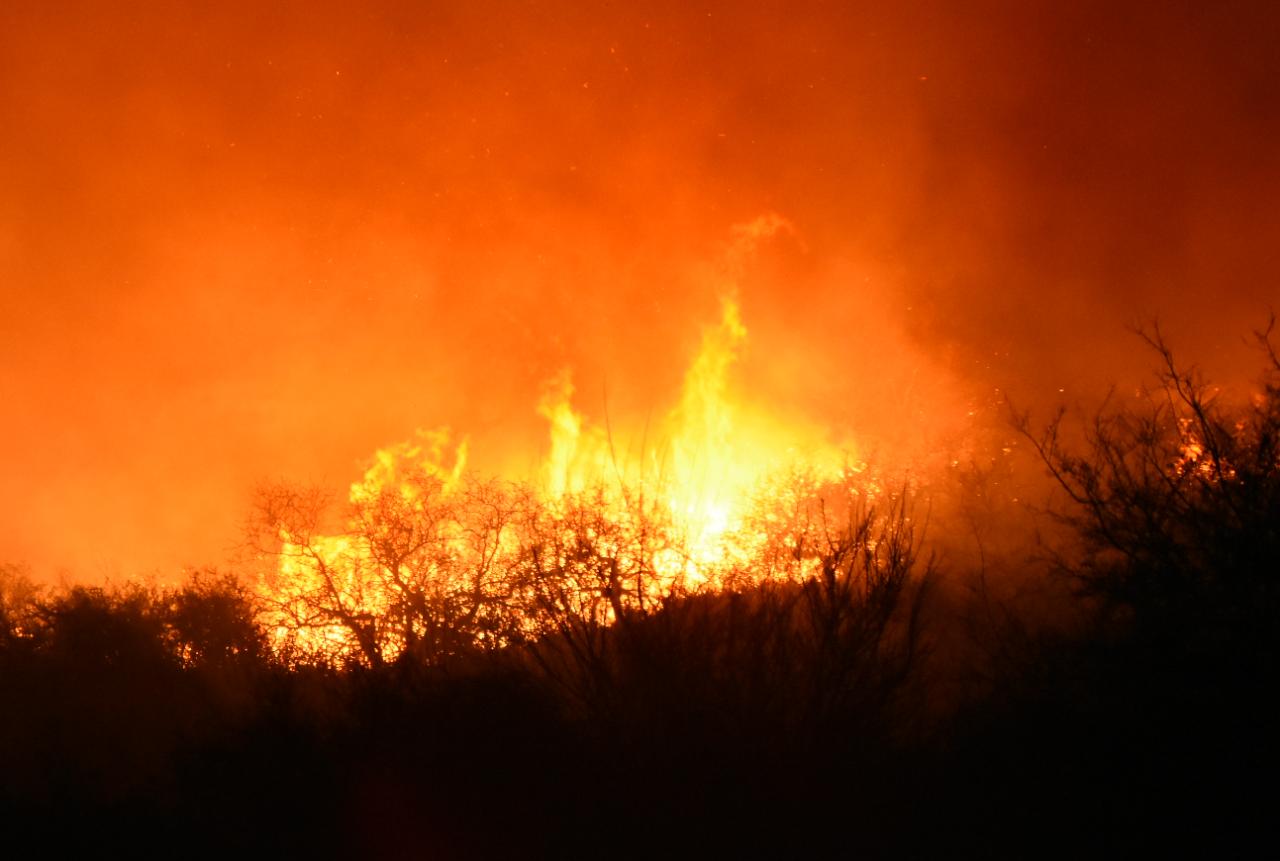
[[239, 242]]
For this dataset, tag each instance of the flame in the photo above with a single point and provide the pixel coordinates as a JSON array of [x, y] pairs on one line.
[[393, 466], [695, 509], [711, 464]]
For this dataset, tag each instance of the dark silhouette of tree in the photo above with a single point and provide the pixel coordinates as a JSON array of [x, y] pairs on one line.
[[417, 568], [822, 629], [1148, 717], [1177, 502], [212, 621], [98, 626], [584, 566], [312, 582]]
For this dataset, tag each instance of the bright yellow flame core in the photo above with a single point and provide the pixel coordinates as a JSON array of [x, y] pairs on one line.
[[393, 466], [712, 462]]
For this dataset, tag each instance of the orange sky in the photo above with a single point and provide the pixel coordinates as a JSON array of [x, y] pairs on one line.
[[253, 240]]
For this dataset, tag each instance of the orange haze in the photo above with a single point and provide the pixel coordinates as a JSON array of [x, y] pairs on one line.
[[246, 240]]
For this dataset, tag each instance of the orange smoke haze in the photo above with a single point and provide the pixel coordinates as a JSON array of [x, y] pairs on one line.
[[243, 241]]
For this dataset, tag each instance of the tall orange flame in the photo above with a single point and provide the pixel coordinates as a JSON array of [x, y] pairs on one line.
[[717, 474]]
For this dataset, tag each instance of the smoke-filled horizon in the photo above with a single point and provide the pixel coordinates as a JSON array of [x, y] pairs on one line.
[[248, 243]]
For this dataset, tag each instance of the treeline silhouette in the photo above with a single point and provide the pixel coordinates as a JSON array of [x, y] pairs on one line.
[[871, 707]]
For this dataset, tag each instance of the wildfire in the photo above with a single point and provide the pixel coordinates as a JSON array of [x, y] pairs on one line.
[[727, 491]]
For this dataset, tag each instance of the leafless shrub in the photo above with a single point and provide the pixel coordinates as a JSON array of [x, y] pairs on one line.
[[1176, 500]]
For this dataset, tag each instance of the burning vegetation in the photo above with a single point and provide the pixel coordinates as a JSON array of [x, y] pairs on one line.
[[605, 647], [428, 557]]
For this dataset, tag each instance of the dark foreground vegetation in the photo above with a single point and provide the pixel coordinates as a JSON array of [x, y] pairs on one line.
[[778, 719]]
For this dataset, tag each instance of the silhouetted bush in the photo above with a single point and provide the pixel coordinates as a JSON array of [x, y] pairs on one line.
[[212, 622], [1177, 505], [1149, 720]]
